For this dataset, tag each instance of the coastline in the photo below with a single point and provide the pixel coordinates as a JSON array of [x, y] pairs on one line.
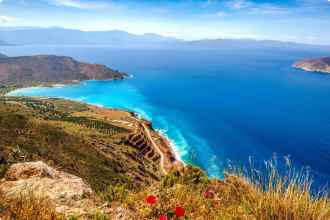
[[172, 143], [168, 146], [61, 85], [311, 70], [56, 85], [169, 142]]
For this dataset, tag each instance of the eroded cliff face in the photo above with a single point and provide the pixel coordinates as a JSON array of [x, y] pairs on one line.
[[321, 64], [52, 69]]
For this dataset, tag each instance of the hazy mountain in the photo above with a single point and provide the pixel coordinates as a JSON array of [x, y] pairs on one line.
[[249, 43], [62, 36], [4, 43]]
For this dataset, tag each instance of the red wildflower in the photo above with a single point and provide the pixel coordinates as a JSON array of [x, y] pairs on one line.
[[215, 201], [207, 193], [162, 218], [151, 199], [179, 211]]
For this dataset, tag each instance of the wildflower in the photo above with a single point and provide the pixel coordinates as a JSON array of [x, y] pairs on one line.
[[151, 199], [207, 193], [179, 211], [141, 210], [162, 218], [215, 202]]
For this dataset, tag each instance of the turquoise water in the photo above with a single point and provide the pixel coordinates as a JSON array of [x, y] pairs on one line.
[[214, 104]]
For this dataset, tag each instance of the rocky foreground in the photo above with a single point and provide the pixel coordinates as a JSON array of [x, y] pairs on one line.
[[70, 195], [321, 64]]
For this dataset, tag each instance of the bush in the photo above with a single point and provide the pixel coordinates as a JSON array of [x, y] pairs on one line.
[[114, 193], [192, 176]]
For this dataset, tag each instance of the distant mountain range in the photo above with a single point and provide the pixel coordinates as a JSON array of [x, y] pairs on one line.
[[4, 43], [62, 36]]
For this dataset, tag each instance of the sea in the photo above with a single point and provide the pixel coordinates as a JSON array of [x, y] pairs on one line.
[[215, 105]]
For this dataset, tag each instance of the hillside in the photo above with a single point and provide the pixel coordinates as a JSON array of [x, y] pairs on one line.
[[75, 137], [321, 64], [111, 150], [50, 69]]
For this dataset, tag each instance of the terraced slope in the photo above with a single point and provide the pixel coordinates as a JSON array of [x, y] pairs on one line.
[[77, 138]]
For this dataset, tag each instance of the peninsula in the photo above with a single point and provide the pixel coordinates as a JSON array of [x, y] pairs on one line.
[[321, 64], [47, 70]]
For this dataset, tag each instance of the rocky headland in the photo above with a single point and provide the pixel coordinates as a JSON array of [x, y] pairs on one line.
[[49, 69], [321, 64]]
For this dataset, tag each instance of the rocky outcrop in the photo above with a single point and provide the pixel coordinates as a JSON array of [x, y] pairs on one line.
[[71, 195], [52, 69], [321, 64]]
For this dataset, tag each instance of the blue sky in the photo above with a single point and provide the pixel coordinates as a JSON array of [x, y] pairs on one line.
[[306, 21]]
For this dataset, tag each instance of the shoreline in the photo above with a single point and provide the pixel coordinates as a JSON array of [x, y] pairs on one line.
[[56, 85], [169, 142], [174, 146], [61, 85]]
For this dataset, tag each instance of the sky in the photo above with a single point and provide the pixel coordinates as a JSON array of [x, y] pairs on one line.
[[304, 21]]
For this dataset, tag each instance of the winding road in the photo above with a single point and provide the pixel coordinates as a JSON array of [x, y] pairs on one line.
[[162, 157]]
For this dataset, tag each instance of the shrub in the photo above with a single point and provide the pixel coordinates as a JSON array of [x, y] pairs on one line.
[[113, 193], [192, 176]]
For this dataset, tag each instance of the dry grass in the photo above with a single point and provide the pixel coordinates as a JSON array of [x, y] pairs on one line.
[[26, 208], [241, 195]]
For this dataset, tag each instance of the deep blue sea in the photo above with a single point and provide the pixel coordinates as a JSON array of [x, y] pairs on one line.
[[220, 104]]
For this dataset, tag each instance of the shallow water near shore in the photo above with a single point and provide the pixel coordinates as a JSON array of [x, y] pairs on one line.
[[214, 104]]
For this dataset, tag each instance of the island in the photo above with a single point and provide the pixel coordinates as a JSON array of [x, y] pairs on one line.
[[321, 64]]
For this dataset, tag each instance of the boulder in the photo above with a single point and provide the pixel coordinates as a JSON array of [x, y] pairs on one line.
[[70, 195]]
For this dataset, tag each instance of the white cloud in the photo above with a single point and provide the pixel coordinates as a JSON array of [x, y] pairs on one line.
[[219, 14], [79, 4], [312, 38], [238, 4], [1, 1], [247, 36], [292, 37], [240, 36], [4, 19]]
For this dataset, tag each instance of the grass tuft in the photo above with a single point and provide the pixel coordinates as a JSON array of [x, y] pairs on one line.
[[243, 194], [26, 207]]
